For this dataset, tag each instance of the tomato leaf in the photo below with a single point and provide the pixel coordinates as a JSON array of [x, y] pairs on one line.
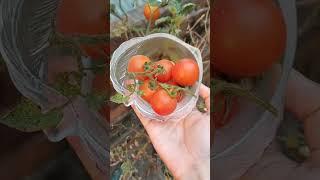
[[119, 98], [178, 20], [28, 117], [187, 8], [173, 10]]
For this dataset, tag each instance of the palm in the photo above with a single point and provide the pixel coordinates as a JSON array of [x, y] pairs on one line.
[[182, 143]]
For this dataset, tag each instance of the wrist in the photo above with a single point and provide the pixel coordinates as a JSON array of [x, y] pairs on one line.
[[198, 171]]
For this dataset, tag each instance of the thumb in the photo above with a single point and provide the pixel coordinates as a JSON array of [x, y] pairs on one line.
[[204, 92]]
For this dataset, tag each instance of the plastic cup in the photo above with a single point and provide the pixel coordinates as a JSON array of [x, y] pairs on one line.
[[152, 46]]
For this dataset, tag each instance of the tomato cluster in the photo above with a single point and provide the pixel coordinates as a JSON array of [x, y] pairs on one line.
[[163, 83]]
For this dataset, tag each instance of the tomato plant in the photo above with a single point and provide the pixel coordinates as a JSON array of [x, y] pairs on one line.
[[148, 88], [151, 12], [136, 65], [166, 75], [162, 103], [84, 17], [185, 72], [248, 36]]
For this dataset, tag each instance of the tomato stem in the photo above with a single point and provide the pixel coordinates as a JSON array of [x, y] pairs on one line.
[[220, 86]]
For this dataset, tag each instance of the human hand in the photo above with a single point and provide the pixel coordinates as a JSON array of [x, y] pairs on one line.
[[184, 145], [303, 101]]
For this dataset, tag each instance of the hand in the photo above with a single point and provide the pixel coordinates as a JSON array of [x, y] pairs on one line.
[[303, 100], [184, 145]]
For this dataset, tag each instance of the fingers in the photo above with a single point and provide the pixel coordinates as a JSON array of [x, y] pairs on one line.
[[204, 92]]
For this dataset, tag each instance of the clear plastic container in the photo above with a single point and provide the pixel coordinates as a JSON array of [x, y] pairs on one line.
[[241, 143], [151, 46], [25, 29]]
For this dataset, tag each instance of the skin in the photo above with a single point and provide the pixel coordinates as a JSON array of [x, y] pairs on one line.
[[184, 145]]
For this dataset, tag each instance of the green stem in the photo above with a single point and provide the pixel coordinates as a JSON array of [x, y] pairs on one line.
[[220, 86]]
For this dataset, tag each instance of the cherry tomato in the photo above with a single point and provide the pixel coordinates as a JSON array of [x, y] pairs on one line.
[[162, 103], [147, 91], [166, 75], [248, 36], [136, 65], [151, 13], [84, 17], [185, 72], [180, 93]]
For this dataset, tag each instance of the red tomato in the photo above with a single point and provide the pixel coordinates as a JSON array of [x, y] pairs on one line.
[[248, 36], [162, 103], [84, 17], [220, 117], [166, 75], [151, 12], [180, 93], [136, 65], [147, 91], [185, 72]]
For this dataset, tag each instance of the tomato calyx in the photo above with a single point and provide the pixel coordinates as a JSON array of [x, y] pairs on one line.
[[173, 90]]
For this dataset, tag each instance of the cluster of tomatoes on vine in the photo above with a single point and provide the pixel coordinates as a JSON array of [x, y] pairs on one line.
[[164, 83]]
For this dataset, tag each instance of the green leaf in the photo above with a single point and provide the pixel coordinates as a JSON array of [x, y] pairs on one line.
[[173, 10], [96, 100], [28, 117], [163, 20], [119, 98], [178, 20], [187, 8]]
